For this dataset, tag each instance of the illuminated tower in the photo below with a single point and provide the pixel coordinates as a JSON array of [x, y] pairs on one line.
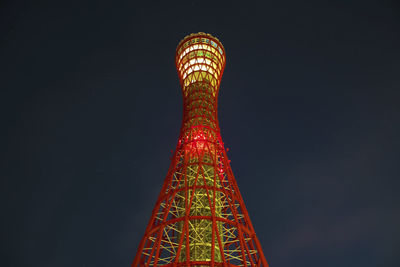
[[200, 218]]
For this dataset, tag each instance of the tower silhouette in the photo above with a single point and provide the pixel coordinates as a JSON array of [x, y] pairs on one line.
[[200, 218]]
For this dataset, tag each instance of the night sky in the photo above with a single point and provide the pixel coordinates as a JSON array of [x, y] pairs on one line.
[[91, 109]]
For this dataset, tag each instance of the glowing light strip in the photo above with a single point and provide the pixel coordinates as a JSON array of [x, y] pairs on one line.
[[205, 68], [201, 46]]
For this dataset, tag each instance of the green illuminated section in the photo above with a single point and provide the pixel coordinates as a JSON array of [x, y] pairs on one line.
[[200, 230]]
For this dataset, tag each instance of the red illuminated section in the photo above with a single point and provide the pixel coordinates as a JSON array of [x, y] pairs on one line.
[[200, 61], [200, 218]]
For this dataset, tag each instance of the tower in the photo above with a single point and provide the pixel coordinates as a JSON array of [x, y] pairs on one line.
[[200, 218]]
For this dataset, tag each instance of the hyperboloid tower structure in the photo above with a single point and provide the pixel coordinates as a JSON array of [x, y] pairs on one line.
[[200, 218]]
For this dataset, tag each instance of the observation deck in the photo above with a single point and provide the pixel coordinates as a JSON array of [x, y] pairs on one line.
[[200, 57]]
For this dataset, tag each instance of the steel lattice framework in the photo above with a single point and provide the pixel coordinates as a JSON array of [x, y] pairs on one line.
[[200, 218]]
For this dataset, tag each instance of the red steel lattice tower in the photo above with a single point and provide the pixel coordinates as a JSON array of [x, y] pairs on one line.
[[200, 218]]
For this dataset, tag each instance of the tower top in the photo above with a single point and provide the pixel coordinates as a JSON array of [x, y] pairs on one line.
[[200, 57], [199, 35]]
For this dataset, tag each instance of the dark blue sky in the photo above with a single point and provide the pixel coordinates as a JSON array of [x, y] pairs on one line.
[[91, 108]]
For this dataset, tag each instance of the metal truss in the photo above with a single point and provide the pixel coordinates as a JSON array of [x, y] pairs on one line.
[[200, 218]]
